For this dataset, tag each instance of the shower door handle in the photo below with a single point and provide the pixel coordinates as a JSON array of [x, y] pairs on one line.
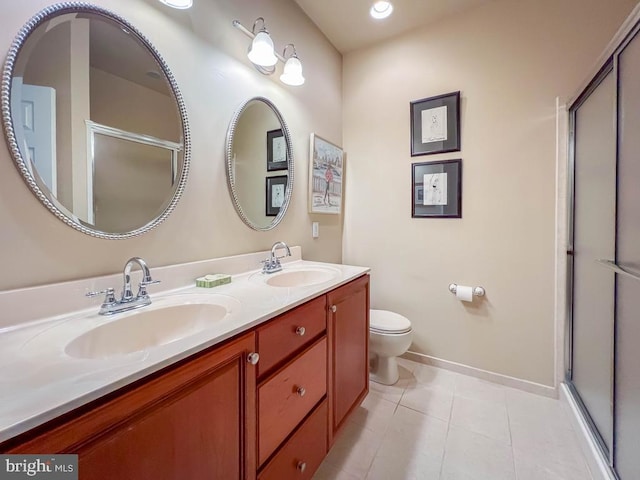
[[611, 265]]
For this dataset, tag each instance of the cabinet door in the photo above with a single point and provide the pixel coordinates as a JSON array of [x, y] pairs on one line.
[[196, 421], [348, 332]]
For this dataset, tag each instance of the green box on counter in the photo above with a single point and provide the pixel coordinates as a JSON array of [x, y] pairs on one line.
[[210, 281]]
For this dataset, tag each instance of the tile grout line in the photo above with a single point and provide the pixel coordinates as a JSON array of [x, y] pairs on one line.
[[513, 450], [375, 455], [446, 439]]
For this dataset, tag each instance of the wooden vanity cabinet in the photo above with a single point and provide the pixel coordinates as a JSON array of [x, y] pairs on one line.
[[217, 415], [194, 421], [292, 388], [295, 432], [348, 333]]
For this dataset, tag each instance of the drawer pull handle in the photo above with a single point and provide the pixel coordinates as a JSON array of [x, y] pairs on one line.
[[300, 331], [253, 358], [334, 308], [302, 466], [301, 391]]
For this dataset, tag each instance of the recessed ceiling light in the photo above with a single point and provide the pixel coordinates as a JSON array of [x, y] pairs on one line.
[[154, 74], [381, 10], [178, 3]]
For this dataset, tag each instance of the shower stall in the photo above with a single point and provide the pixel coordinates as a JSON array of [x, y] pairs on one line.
[[603, 336]]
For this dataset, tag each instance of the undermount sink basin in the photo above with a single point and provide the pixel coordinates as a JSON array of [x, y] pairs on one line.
[[301, 277], [144, 329]]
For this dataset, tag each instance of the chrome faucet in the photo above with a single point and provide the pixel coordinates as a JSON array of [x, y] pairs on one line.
[[127, 302], [272, 264]]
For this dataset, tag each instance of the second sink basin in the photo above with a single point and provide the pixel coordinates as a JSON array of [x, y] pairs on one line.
[[144, 329], [299, 276]]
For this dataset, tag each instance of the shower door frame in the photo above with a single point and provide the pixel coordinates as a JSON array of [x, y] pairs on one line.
[[610, 65]]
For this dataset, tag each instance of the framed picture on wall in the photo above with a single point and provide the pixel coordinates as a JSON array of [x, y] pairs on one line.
[[276, 187], [436, 189], [435, 124], [276, 150], [326, 174]]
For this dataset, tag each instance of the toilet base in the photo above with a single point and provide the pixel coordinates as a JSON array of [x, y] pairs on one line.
[[384, 370]]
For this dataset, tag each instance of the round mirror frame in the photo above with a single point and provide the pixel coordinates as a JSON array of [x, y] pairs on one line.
[[7, 120], [230, 169]]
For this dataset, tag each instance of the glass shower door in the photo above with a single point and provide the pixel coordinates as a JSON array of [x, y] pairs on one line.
[[627, 393], [591, 371]]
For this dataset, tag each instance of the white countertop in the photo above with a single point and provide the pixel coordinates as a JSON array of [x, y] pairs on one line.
[[39, 381]]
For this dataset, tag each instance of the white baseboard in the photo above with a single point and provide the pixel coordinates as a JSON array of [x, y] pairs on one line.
[[597, 463], [498, 378]]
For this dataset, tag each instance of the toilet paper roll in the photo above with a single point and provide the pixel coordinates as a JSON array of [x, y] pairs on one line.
[[464, 293]]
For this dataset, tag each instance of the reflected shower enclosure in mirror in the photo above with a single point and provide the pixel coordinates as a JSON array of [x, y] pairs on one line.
[[95, 121], [253, 143]]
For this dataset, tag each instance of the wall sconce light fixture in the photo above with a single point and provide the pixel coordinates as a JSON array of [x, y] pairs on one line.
[[292, 72], [264, 57], [261, 51], [182, 4]]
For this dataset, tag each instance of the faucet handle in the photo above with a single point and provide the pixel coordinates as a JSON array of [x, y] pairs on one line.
[[109, 295], [269, 261], [142, 291], [271, 265]]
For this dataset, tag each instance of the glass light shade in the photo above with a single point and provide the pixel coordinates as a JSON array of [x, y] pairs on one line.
[[178, 3], [381, 10], [261, 52], [292, 73]]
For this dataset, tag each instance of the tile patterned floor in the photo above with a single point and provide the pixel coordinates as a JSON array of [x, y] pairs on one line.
[[439, 425]]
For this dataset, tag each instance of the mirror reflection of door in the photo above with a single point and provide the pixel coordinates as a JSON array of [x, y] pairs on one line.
[[37, 107], [131, 175], [130, 183]]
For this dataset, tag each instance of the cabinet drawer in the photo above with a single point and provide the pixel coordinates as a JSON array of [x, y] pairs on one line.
[[301, 456], [290, 332], [289, 395]]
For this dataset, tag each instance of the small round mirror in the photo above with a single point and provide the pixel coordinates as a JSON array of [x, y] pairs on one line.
[[95, 121], [259, 164]]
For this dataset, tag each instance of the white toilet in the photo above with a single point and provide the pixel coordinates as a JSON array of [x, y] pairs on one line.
[[390, 336]]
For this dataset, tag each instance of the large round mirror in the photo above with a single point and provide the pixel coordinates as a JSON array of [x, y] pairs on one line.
[[95, 121], [259, 164]]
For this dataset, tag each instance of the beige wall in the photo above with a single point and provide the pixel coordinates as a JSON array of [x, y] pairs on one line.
[[208, 58], [510, 60]]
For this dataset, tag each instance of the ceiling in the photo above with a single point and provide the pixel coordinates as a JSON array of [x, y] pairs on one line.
[[347, 24], [117, 51]]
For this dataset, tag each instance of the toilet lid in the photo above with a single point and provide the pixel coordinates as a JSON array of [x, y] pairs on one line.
[[383, 321]]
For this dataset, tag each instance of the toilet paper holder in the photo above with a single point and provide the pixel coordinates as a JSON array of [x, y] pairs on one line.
[[477, 291]]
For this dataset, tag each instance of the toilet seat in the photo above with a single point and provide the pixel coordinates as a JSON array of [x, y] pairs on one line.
[[388, 323]]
